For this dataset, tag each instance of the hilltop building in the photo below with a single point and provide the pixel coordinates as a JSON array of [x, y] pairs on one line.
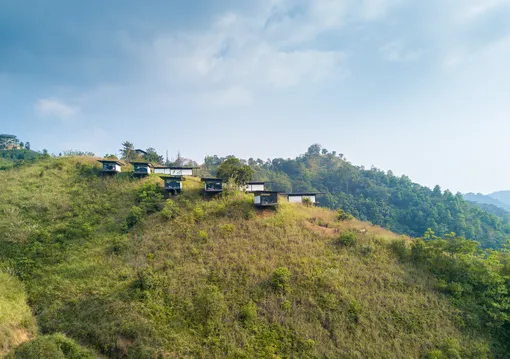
[[140, 153], [255, 187], [213, 185], [300, 197], [175, 170], [9, 142], [265, 198], [141, 169], [173, 184], [111, 166]]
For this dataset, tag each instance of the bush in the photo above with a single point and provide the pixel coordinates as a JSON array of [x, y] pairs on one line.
[[198, 214], [347, 239], [134, 217], [203, 236], [52, 346], [281, 280], [171, 210], [307, 202], [248, 313], [343, 216], [227, 229]]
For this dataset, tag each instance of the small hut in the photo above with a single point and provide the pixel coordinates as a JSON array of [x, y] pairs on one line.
[[175, 170], [265, 198], [111, 166], [173, 184], [140, 153], [141, 169], [300, 197], [213, 185], [252, 187]]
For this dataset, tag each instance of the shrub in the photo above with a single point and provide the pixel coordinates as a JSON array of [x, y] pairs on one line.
[[198, 213], [248, 313], [171, 210], [227, 229], [436, 354], [307, 202], [343, 216], [134, 217], [151, 197], [210, 306], [367, 250], [55, 346], [347, 239], [203, 236], [280, 280], [354, 310]]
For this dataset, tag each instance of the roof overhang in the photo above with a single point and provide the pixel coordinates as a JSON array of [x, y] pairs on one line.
[[111, 161]]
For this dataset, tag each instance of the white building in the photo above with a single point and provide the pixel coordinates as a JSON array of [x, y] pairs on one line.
[[299, 197], [265, 198], [111, 166], [142, 168], [255, 186], [174, 171]]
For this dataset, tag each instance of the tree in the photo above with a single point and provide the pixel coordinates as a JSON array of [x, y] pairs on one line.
[[153, 156], [127, 151], [232, 168], [27, 145]]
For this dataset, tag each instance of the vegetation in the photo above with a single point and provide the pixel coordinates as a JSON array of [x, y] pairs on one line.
[[14, 158], [16, 321], [382, 198], [233, 169], [126, 273]]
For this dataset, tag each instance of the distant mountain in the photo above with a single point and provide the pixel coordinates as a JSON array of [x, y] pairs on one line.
[[499, 199], [502, 196], [486, 199]]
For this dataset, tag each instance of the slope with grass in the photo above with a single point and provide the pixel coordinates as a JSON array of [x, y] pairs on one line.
[[124, 272]]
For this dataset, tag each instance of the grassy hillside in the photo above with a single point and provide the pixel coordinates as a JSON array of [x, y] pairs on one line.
[[17, 324], [121, 271], [393, 202]]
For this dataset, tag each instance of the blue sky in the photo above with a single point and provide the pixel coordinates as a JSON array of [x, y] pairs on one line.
[[419, 87]]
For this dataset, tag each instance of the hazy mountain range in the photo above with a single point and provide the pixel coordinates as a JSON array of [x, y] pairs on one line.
[[499, 199]]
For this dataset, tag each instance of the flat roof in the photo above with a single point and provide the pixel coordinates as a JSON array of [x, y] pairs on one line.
[[304, 194], [262, 192], [140, 150], [4, 135], [255, 182], [180, 178], [142, 163], [212, 180], [176, 168], [111, 161]]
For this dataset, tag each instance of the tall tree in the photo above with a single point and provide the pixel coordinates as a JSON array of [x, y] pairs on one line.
[[153, 156], [234, 169], [127, 151]]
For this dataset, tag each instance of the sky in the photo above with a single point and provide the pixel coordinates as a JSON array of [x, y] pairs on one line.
[[418, 87]]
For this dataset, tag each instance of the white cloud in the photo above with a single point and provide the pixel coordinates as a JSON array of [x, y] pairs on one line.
[[50, 107]]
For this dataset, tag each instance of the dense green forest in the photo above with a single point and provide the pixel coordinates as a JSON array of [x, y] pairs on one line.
[[125, 273], [390, 201]]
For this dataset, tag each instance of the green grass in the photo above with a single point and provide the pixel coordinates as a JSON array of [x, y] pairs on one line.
[[121, 271], [16, 321]]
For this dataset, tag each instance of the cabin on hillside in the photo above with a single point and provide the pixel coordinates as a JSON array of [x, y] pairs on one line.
[[173, 184], [140, 153], [252, 187], [213, 185], [142, 169], [265, 199], [111, 166], [175, 170], [300, 197]]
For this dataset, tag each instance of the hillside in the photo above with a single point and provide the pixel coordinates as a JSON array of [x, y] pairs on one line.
[[487, 200], [125, 273], [503, 197], [393, 202]]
